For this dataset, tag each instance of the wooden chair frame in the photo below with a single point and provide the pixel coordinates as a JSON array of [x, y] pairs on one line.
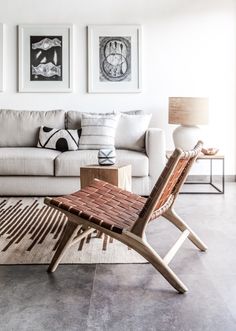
[[159, 203]]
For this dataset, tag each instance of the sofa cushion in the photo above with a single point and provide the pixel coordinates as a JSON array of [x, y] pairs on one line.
[[21, 128], [27, 161], [131, 130], [98, 131], [73, 117], [59, 139], [69, 163]]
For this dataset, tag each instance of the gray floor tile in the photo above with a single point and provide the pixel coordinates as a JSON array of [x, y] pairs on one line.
[[33, 300], [226, 285], [135, 297]]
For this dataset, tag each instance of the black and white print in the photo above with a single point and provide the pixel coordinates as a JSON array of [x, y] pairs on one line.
[[46, 58], [115, 59]]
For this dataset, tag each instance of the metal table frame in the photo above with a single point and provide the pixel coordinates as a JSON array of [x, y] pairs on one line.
[[218, 189]]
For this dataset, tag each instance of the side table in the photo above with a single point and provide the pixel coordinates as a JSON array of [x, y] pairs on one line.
[[211, 159], [119, 175]]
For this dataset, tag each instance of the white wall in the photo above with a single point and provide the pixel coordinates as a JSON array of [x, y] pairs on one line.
[[188, 50]]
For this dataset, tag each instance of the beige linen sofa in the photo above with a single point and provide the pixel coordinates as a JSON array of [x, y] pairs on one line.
[[26, 170]]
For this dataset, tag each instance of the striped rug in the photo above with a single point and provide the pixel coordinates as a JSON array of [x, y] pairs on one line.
[[30, 232]]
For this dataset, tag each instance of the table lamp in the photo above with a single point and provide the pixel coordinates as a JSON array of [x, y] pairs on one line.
[[188, 112]]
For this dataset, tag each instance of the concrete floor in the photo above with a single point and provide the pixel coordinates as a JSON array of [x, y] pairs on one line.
[[135, 297]]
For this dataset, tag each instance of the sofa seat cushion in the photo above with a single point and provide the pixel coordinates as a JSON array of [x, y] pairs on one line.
[[69, 163], [27, 161]]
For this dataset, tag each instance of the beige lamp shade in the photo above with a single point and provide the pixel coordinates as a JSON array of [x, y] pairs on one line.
[[188, 111]]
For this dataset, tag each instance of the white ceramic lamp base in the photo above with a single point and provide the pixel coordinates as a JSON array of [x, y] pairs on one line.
[[186, 136]]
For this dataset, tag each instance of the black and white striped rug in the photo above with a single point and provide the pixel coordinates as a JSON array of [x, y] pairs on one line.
[[30, 231]]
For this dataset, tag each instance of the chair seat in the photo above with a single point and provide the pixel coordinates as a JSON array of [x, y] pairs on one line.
[[103, 204]]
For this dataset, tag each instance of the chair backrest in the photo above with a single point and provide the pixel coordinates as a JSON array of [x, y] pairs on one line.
[[168, 185]]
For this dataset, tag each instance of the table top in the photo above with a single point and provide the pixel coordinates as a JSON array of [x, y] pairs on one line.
[[97, 166], [202, 156]]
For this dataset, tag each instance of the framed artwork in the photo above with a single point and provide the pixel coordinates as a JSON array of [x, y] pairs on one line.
[[114, 58], [1, 57], [45, 58]]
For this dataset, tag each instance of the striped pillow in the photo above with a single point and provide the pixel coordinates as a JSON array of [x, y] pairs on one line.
[[98, 131]]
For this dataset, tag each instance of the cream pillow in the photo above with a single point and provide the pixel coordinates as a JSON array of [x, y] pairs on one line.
[[130, 132], [98, 131]]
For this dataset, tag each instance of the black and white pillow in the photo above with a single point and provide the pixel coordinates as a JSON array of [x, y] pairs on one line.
[[59, 139]]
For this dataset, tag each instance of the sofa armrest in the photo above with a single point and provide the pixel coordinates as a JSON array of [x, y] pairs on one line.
[[156, 151]]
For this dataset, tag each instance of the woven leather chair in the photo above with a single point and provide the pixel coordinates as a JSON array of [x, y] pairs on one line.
[[125, 216]]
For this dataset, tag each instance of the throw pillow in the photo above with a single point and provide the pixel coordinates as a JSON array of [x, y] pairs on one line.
[[59, 139], [98, 131], [130, 132]]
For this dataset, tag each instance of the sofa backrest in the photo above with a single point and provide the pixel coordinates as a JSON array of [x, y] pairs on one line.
[[130, 131], [21, 128], [73, 117]]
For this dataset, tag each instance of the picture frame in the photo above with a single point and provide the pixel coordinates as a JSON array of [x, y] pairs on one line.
[[45, 58], [2, 76], [114, 58]]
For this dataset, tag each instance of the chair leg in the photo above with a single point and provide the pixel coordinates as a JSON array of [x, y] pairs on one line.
[[171, 216], [66, 240], [144, 249]]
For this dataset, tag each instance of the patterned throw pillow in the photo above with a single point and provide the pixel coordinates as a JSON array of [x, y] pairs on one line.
[[59, 139], [98, 131]]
